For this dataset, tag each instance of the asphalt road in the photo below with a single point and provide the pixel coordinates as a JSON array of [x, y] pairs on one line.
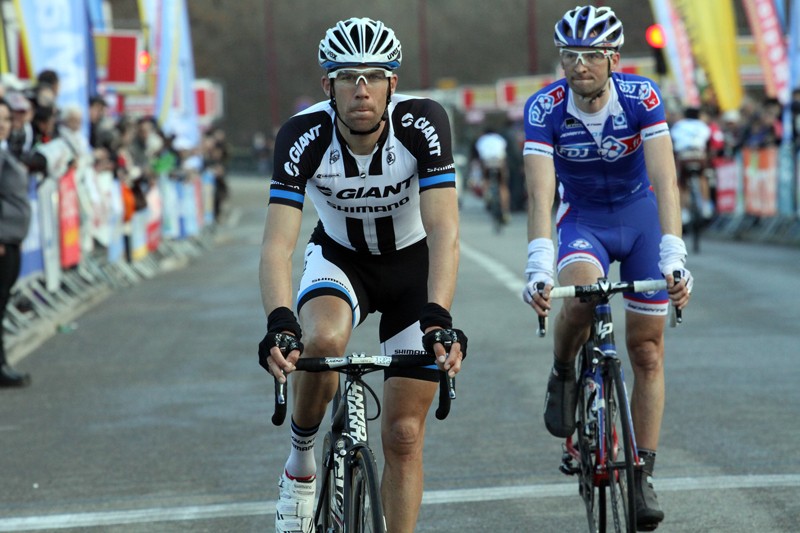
[[153, 415]]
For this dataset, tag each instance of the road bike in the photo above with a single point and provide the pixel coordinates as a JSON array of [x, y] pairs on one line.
[[349, 498], [603, 453]]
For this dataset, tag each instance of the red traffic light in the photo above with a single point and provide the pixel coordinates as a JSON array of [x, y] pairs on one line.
[[655, 36], [144, 60]]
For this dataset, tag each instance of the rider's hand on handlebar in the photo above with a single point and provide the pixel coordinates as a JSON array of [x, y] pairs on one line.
[[278, 352], [435, 341], [679, 293], [536, 298]]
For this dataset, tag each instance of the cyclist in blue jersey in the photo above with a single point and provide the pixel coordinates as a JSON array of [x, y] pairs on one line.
[[603, 138], [378, 168]]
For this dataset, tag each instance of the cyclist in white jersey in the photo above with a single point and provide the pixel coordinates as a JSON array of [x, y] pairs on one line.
[[690, 138], [605, 138], [491, 149], [378, 168]]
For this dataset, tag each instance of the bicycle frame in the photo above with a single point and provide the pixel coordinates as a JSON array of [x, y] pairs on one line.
[[348, 432], [346, 450], [604, 349]]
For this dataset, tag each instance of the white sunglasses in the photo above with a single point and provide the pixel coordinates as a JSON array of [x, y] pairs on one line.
[[352, 76], [586, 57]]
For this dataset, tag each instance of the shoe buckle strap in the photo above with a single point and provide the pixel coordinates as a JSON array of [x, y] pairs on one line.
[[295, 508], [295, 525]]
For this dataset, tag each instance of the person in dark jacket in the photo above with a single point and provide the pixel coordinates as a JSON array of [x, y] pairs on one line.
[[15, 215]]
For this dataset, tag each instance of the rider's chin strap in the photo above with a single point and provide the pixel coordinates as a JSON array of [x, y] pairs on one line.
[[375, 128]]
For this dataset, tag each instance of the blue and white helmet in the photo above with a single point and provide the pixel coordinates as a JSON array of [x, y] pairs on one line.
[[360, 41], [589, 26]]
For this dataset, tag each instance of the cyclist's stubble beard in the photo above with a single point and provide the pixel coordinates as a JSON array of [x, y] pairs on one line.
[[376, 127], [591, 96]]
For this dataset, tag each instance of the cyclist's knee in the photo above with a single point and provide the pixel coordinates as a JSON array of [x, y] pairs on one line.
[[403, 438], [647, 357]]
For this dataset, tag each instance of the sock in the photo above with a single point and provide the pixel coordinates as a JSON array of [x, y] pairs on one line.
[[301, 464], [649, 457], [564, 370]]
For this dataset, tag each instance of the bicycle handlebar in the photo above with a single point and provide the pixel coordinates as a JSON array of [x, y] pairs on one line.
[[363, 364], [605, 288]]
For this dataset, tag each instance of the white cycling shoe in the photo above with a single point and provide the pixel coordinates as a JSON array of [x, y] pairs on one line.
[[294, 512]]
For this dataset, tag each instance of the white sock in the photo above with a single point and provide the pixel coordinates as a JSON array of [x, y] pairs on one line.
[[302, 464]]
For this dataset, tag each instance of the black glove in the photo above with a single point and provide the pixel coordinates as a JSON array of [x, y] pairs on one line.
[[446, 337], [279, 320], [284, 341]]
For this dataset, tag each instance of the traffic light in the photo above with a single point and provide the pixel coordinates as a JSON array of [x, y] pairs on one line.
[[654, 35], [144, 60]]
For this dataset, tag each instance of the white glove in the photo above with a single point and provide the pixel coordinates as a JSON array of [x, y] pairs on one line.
[[672, 252], [541, 255]]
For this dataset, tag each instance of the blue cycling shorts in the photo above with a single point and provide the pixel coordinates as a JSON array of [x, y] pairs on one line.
[[629, 234]]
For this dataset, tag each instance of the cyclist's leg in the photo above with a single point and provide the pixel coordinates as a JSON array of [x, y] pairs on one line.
[[505, 195], [645, 342], [407, 394], [581, 260], [645, 318], [406, 405]]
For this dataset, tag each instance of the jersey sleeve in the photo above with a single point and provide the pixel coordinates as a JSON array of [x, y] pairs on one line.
[[299, 146], [539, 111], [646, 98], [422, 125]]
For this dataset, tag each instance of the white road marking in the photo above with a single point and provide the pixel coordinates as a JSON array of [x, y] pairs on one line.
[[439, 497], [513, 282]]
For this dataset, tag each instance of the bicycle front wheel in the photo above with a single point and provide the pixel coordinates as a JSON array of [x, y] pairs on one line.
[[364, 511], [619, 457], [592, 492]]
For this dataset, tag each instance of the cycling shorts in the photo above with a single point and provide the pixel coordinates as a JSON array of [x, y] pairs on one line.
[[394, 284], [629, 234]]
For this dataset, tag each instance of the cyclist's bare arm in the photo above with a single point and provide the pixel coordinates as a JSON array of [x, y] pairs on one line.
[[439, 211], [661, 170], [540, 179], [281, 230]]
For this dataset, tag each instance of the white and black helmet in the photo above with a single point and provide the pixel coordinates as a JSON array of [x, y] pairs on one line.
[[589, 26], [360, 41]]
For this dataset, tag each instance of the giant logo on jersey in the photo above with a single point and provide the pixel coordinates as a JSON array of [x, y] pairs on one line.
[[297, 149], [642, 91], [544, 105], [428, 130]]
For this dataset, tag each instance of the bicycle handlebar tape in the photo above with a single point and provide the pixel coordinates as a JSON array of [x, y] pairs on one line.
[[444, 396], [676, 276], [280, 403]]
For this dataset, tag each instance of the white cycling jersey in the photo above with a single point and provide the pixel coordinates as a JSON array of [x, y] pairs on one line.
[[365, 203], [491, 148], [690, 134]]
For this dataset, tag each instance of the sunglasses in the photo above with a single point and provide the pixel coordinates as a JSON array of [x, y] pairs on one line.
[[587, 57], [352, 76]]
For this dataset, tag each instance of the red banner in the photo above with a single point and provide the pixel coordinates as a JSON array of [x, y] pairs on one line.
[[69, 220], [768, 35], [727, 183], [761, 181]]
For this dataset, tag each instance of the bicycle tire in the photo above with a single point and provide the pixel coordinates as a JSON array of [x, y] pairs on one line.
[[593, 496], [619, 456], [364, 513], [324, 518]]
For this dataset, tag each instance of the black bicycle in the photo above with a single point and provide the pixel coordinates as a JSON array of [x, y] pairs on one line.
[[493, 203], [603, 453], [349, 498]]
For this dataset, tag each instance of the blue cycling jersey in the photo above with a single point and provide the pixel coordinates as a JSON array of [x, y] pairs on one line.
[[605, 173]]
